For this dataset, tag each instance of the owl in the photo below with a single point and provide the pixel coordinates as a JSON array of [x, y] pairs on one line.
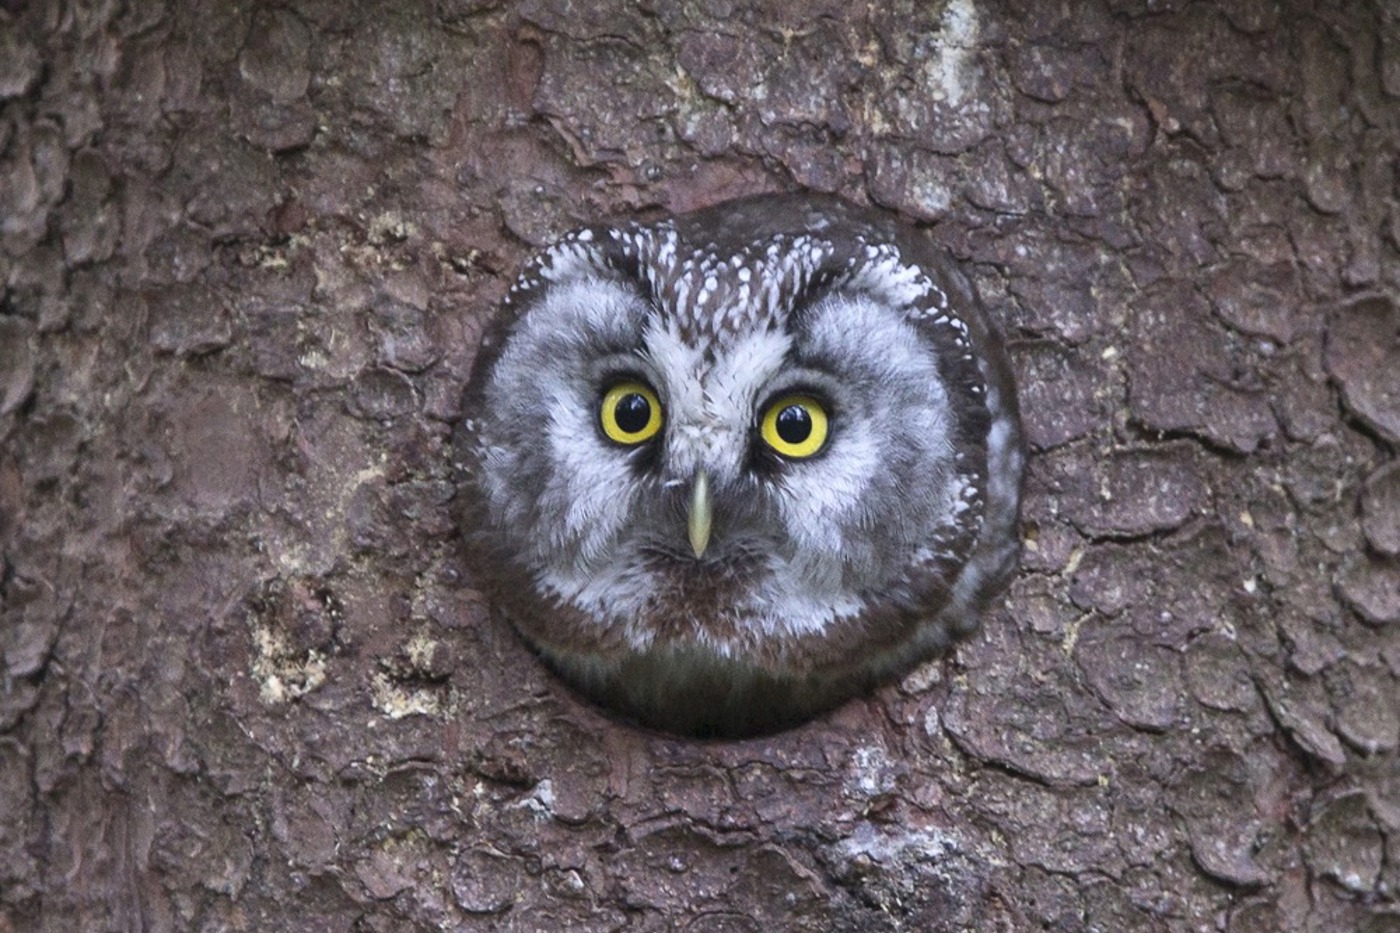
[[727, 470]]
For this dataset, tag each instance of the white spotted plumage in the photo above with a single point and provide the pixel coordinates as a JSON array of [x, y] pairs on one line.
[[825, 572]]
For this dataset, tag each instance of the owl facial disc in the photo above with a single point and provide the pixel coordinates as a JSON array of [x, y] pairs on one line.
[[725, 470]]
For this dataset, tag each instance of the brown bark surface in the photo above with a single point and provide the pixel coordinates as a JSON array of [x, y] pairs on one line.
[[245, 254]]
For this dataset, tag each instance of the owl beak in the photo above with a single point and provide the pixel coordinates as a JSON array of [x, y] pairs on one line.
[[700, 516]]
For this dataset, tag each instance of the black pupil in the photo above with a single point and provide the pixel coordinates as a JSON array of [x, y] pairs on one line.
[[633, 413], [794, 424]]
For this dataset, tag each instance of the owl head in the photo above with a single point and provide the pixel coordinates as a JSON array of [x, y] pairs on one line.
[[726, 470]]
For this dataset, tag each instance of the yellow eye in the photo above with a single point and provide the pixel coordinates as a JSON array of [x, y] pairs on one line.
[[794, 426], [630, 413]]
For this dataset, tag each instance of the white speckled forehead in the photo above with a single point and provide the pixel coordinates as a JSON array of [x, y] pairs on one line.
[[708, 297]]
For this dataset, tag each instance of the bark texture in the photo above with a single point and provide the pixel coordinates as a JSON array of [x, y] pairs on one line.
[[245, 254]]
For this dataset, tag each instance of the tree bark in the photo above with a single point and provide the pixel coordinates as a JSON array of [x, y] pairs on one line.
[[246, 251]]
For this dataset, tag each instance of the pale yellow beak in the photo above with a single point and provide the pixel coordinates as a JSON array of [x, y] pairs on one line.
[[698, 523]]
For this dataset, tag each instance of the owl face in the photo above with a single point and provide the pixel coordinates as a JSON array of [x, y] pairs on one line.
[[725, 470]]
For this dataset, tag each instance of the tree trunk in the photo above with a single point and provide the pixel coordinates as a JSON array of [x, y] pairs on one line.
[[246, 251]]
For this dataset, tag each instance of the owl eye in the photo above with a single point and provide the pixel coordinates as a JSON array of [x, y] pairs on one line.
[[794, 426], [630, 413]]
